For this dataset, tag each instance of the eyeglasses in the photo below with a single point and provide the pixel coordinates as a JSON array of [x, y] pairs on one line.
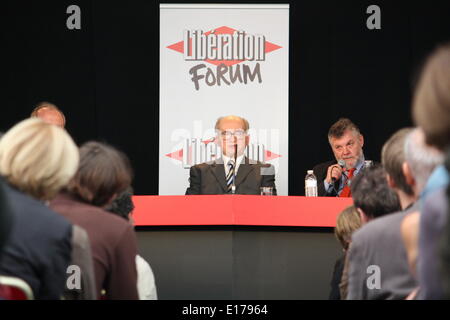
[[228, 134]]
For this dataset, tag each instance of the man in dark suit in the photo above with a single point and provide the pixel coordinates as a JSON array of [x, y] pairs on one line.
[[346, 142], [230, 173]]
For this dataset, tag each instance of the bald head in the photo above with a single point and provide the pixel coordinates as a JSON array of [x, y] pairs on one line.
[[231, 132], [49, 113], [235, 119]]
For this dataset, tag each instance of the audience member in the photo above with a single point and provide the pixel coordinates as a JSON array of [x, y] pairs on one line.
[[36, 161], [372, 199], [103, 173], [346, 142], [431, 112], [372, 196], [5, 216], [347, 222], [123, 207], [48, 112], [444, 262], [379, 243]]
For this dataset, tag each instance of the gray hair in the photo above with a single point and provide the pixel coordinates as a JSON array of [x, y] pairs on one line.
[[421, 158]]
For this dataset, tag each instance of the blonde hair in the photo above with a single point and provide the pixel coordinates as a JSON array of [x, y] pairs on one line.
[[347, 222], [37, 158]]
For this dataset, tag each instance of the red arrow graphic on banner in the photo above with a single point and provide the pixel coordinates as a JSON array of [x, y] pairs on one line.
[[179, 47]]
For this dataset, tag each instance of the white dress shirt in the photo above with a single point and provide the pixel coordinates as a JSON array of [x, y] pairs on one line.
[[227, 159]]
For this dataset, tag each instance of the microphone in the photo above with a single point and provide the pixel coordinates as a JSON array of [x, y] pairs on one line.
[[341, 163], [235, 151], [233, 186]]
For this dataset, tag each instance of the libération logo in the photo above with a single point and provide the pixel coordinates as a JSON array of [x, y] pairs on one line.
[[227, 49]]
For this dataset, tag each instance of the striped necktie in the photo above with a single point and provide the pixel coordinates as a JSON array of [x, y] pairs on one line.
[[230, 175]]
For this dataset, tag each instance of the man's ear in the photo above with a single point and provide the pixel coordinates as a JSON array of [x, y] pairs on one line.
[[361, 140], [408, 174], [247, 140], [391, 183], [363, 216]]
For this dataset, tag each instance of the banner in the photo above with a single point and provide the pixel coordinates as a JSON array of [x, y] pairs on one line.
[[218, 60]]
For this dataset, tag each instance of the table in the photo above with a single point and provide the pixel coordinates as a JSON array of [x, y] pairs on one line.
[[244, 210]]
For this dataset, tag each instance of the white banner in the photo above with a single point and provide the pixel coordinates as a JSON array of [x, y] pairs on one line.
[[218, 60]]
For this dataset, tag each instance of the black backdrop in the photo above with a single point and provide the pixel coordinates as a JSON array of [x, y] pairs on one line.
[[105, 76]]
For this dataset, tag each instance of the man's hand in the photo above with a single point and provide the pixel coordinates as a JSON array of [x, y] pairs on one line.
[[334, 171]]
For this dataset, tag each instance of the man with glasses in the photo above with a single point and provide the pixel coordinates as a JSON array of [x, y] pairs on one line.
[[233, 172]]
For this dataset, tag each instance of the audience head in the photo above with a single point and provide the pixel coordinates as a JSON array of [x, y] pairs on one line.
[[123, 205], [232, 130], [49, 113], [346, 142], [347, 222], [371, 194], [431, 103], [393, 157], [37, 158], [421, 160], [102, 175]]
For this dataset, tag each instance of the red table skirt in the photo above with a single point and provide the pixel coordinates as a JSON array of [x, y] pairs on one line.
[[243, 210]]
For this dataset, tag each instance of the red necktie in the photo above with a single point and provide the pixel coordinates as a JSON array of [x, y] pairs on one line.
[[346, 192]]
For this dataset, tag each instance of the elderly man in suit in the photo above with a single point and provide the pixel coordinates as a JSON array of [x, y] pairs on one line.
[[233, 172]]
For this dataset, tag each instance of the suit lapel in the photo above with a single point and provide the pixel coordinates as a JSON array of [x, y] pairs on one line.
[[243, 171], [218, 171]]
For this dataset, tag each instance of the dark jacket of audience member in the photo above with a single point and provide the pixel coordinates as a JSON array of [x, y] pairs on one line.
[[372, 195], [38, 249], [103, 173], [5, 216], [37, 160], [348, 221], [444, 248]]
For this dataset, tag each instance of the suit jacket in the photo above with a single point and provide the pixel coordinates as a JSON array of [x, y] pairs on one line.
[[320, 171], [38, 249], [209, 178], [379, 243]]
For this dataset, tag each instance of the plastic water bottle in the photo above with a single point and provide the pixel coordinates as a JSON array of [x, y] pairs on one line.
[[310, 184]]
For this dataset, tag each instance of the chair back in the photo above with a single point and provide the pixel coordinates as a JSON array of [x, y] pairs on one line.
[[12, 288]]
